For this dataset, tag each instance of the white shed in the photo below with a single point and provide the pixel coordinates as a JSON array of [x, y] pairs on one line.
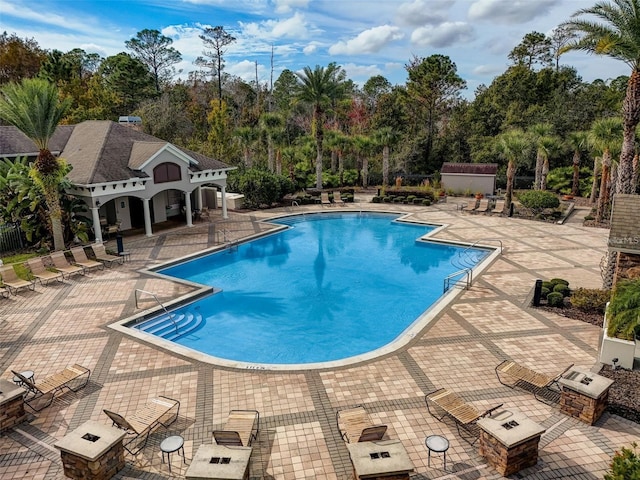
[[472, 177]]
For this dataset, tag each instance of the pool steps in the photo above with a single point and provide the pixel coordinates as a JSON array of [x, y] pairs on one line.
[[164, 326]]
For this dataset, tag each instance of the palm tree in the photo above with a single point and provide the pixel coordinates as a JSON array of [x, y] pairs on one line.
[[35, 109], [246, 136], [605, 137], [540, 133], [577, 141], [362, 146], [617, 35], [514, 146], [271, 124], [387, 137], [318, 87]]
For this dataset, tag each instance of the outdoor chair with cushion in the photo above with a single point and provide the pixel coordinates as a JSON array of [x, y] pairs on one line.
[[544, 387], [241, 429], [324, 198], [40, 273], [446, 403], [61, 265], [140, 424], [355, 425], [13, 282], [81, 259], [499, 207], [337, 199], [72, 378], [104, 257], [483, 206]]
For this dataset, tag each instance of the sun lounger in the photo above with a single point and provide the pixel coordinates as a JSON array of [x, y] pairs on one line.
[[324, 198], [13, 282], [499, 207], [72, 378], [337, 199], [61, 265], [544, 387], [104, 257], [241, 429], [355, 425], [80, 258], [140, 425], [443, 403], [483, 206], [40, 273]]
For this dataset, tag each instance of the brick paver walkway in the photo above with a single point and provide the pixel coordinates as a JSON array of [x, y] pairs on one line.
[[61, 324]]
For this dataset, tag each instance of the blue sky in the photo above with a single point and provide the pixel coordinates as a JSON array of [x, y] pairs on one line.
[[374, 37]]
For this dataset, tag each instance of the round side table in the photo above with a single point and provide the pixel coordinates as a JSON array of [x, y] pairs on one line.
[[438, 444], [172, 444], [28, 374]]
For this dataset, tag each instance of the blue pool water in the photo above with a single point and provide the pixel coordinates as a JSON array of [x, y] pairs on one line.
[[330, 287]]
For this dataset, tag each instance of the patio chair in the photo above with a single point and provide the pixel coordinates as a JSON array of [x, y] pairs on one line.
[[463, 414], [324, 198], [483, 206], [140, 425], [13, 282], [53, 384], [61, 265], [40, 273], [337, 199], [81, 259], [355, 425], [241, 429], [104, 257], [499, 207], [544, 387]]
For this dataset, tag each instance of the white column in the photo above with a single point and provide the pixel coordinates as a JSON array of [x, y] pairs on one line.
[[97, 228], [187, 208], [224, 202], [199, 198], [147, 218]]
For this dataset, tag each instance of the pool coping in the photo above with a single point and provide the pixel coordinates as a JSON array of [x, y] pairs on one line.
[[404, 338]]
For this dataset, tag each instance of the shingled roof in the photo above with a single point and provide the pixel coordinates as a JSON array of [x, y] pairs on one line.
[[100, 151], [470, 168], [624, 235]]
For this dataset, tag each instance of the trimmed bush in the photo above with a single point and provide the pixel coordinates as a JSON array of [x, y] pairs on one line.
[[548, 285], [544, 292], [410, 198], [590, 299], [555, 299], [387, 199], [563, 289], [426, 202], [556, 281], [418, 201], [376, 199], [625, 464]]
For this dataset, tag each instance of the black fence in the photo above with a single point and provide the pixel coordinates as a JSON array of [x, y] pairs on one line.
[[10, 237]]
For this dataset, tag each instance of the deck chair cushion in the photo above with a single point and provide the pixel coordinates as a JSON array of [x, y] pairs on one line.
[[241, 428]]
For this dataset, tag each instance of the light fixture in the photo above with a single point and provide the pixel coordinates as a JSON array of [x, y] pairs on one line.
[[615, 361], [97, 203]]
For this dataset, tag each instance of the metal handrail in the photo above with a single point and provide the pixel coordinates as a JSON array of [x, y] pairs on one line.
[[468, 273], [170, 315]]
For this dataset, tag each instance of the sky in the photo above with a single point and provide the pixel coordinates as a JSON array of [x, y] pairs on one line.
[[366, 38]]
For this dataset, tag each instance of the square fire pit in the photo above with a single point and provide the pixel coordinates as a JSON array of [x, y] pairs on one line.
[[92, 451], [220, 462], [509, 441], [11, 404], [381, 459], [584, 394]]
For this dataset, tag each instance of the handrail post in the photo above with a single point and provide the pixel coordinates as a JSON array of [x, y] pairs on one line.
[[170, 315]]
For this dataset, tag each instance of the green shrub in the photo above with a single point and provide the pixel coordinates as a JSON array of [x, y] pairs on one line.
[[387, 199], [590, 299], [555, 299], [398, 199], [376, 199], [348, 197], [561, 180], [260, 187], [426, 202], [624, 310], [556, 281], [538, 200], [418, 201], [548, 285], [410, 198], [544, 292], [562, 289], [625, 464]]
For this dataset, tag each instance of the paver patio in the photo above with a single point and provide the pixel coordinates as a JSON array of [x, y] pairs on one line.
[[62, 324]]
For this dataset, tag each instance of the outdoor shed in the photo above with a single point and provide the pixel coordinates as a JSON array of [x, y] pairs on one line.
[[469, 177]]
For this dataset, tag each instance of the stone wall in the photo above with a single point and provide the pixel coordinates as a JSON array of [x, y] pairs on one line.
[[103, 468], [12, 413], [580, 406], [508, 461]]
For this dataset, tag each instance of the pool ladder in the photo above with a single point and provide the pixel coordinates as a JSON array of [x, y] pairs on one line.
[[465, 263], [170, 315]]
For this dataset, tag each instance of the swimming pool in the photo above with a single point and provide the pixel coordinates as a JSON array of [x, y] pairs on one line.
[[329, 287]]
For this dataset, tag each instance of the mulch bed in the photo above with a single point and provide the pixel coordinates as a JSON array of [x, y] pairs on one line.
[[624, 395]]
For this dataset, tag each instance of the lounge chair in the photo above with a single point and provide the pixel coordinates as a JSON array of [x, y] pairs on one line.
[[53, 384], [241, 429], [463, 414], [61, 265], [104, 257], [324, 198], [499, 207], [337, 199], [13, 282], [80, 258], [544, 387], [40, 273], [140, 425], [355, 425], [483, 206]]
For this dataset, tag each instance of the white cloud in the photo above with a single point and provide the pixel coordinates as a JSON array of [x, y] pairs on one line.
[[311, 48], [246, 70], [510, 11], [488, 69], [421, 12], [285, 6], [359, 72], [444, 35], [369, 41], [293, 27]]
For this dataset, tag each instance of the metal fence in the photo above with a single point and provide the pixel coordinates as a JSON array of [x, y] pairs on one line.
[[10, 237]]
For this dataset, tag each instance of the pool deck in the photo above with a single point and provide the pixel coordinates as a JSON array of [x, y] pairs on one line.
[[61, 324]]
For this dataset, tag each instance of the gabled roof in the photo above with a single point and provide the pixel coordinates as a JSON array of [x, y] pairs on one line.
[[470, 168], [101, 151]]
